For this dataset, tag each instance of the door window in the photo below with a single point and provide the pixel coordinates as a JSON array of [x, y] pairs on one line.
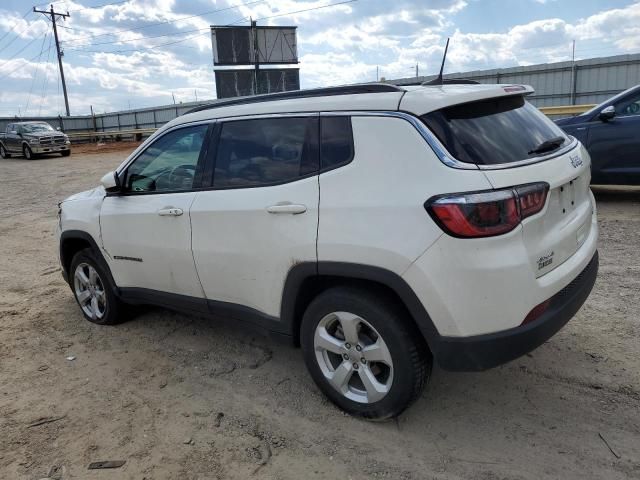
[[266, 151], [629, 106], [336, 144], [169, 164]]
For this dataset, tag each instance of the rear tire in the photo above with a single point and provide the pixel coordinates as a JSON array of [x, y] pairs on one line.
[[4, 153], [93, 289], [27, 152], [364, 353]]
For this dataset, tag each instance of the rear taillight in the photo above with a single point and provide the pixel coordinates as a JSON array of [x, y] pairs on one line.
[[488, 213]]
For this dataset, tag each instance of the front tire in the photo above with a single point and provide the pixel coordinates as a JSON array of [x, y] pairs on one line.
[[363, 352], [93, 290], [65, 153], [27, 152], [4, 153]]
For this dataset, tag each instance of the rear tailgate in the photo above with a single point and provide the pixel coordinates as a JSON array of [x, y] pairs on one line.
[[557, 232]]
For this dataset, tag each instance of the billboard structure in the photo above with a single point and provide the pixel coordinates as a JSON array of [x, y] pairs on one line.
[[238, 83], [255, 46]]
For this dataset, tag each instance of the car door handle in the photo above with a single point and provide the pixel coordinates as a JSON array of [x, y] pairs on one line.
[[290, 208], [170, 212]]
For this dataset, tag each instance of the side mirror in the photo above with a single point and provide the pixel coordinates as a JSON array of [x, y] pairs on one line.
[[607, 113], [58, 128], [111, 182]]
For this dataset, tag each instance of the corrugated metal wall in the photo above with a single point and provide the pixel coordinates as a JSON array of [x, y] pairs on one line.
[[589, 81]]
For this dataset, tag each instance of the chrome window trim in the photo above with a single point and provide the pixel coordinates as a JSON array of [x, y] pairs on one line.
[[438, 148], [442, 153]]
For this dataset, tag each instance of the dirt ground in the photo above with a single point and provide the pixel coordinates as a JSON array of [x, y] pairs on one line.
[[180, 397]]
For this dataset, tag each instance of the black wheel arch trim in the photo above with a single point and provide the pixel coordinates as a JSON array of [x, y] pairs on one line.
[[301, 272], [87, 237]]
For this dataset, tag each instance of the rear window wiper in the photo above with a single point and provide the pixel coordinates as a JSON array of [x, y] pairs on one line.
[[548, 145]]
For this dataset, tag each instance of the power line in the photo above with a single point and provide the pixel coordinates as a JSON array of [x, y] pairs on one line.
[[143, 48], [15, 38], [19, 51], [306, 10], [35, 75], [165, 22], [184, 32], [195, 30], [6, 74], [45, 81], [14, 27], [98, 6]]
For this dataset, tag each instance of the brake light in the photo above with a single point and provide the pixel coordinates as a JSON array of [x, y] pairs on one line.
[[489, 213]]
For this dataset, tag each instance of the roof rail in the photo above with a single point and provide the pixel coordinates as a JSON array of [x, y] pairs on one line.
[[314, 92]]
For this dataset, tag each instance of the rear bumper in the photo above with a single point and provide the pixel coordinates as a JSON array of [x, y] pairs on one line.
[[481, 352]]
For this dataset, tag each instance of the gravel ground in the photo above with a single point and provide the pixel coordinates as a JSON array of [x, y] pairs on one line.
[[182, 397]]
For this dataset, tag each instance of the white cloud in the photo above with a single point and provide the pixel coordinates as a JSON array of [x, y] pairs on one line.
[[337, 45]]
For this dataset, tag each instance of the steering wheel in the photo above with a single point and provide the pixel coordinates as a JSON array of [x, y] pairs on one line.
[[181, 176]]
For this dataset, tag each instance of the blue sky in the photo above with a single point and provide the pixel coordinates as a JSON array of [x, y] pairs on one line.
[[140, 52]]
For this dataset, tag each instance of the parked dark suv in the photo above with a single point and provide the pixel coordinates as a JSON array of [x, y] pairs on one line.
[[611, 134]]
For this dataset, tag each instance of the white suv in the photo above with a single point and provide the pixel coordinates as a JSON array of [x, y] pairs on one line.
[[378, 227]]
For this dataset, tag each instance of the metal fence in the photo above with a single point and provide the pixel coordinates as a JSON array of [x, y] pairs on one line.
[[144, 118], [564, 83]]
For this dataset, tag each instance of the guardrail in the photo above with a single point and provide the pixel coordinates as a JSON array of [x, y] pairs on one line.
[[137, 133], [566, 110]]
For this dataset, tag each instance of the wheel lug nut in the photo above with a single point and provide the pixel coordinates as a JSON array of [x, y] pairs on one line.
[[345, 356], [363, 360], [358, 348], [347, 345], [355, 366]]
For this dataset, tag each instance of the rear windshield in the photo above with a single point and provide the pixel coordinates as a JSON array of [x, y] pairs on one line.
[[494, 131]]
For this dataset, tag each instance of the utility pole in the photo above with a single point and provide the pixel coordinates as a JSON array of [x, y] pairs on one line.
[[417, 70], [53, 17], [254, 30], [573, 73]]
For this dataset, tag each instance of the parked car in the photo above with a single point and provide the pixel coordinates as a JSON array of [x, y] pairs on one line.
[[378, 227], [611, 134], [31, 139]]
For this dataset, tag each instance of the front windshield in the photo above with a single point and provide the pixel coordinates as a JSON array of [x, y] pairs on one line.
[[37, 127]]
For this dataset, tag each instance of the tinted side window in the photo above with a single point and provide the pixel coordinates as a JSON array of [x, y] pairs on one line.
[[266, 151], [629, 106], [169, 163], [336, 141]]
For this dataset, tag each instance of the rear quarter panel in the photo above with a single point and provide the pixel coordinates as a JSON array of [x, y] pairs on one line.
[[372, 210]]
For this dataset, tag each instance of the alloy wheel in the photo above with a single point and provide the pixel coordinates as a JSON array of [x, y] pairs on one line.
[[353, 357], [89, 290]]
